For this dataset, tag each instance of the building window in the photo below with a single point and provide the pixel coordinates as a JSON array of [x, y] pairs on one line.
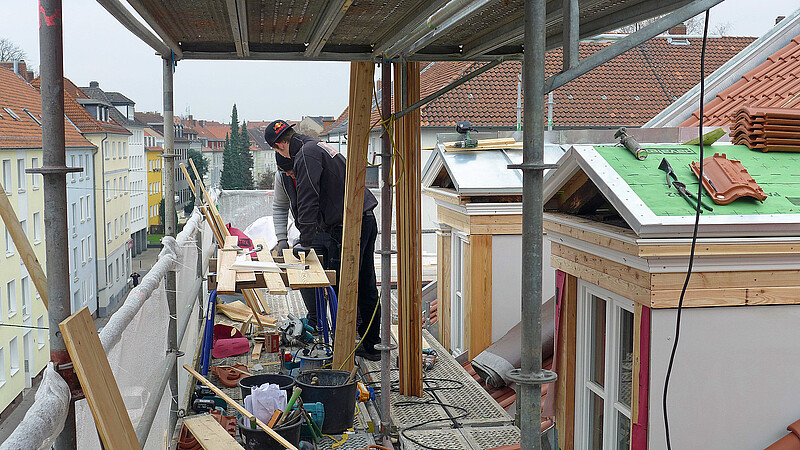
[[108, 190], [117, 270], [108, 231], [83, 251], [13, 353], [72, 175], [80, 164], [88, 209], [83, 209], [604, 376], [37, 227], [124, 149], [26, 297], [42, 332], [105, 149], [9, 244], [115, 188], [460, 249], [7, 182], [11, 298], [34, 176], [74, 209], [21, 175], [110, 274], [24, 225], [88, 247], [2, 366]]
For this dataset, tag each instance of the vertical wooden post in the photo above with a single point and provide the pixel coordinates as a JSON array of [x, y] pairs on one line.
[[443, 254], [479, 326], [565, 385], [361, 86], [409, 229]]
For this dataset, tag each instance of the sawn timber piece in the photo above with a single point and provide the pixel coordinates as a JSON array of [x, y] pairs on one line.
[[273, 280], [312, 277]]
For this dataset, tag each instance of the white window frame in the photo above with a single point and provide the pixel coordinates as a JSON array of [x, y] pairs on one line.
[[21, 175], [13, 353], [11, 298], [458, 341], [609, 392], [37, 227], [8, 182], [34, 177], [41, 332], [2, 366], [25, 288]]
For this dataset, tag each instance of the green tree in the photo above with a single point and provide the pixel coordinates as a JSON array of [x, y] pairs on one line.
[[200, 162], [245, 158], [231, 162], [267, 181]]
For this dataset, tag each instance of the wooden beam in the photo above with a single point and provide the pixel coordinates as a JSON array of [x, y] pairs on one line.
[[210, 434], [312, 277], [212, 208], [97, 381], [361, 86], [444, 241], [606, 266], [274, 282], [409, 230], [710, 280], [640, 408], [23, 245], [565, 385], [624, 288], [480, 300], [727, 297], [188, 178]]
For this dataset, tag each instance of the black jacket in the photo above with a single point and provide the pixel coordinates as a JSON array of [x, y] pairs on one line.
[[320, 173]]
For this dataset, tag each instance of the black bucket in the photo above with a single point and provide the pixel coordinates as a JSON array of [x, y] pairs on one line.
[[258, 439], [338, 398], [284, 382]]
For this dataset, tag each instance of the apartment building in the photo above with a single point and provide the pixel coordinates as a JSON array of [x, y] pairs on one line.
[[24, 352], [153, 141]]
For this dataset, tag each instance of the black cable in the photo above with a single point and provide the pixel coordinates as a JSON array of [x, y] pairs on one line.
[[23, 326], [694, 237]]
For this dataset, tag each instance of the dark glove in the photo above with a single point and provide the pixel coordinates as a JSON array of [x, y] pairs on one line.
[[280, 246], [299, 248]]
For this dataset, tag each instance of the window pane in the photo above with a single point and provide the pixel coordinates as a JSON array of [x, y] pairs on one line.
[[597, 345], [623, 432], [625, 364], [595, 421]]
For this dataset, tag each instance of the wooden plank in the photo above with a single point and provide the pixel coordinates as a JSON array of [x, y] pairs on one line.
[[257, 351], [710, 280], [97, 380], [239, 312], [274, 281], [443, 194], [361, 86], [212, 207], [570, 187], [565, 385], [23, 245], [444, 241], [209, 433], [588, 231], [188, 178], [243, 276], [637, 349], [727, 297], [226, 277], [496, 224], [453, 219], [480, 324], [264, 305], [217, 234], [608, 267], [240, 408], [409, 231], [717, 249], [314, 276], [624, 288]]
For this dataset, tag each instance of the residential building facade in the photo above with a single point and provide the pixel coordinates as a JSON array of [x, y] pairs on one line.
[[154, 184], [24, 352]]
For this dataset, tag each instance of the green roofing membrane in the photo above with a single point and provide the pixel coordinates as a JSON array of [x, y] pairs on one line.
[[778, 174]]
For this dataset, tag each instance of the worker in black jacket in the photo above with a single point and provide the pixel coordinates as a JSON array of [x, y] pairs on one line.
[[319, 170]]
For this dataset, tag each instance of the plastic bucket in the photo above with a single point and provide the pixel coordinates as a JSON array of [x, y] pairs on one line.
[[258, 439], [339, 399], [284, 382]]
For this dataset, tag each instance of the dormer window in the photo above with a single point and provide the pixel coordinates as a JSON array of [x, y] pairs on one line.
[[11, 113]]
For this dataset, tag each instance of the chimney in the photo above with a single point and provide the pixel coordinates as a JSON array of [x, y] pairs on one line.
[[678, 30], [94, 84], [778, 19], [202, 123]]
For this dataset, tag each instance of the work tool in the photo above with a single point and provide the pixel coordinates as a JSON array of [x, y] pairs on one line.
[[429, 359], [681, 187], [295, 330], [295, 395], [467, 142], [631, 144]]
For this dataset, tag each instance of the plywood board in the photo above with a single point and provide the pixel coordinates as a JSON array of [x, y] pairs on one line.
[[239, 312], [210, 434], [314, 276], [226, 277], [480, 324], [274, 281], [97, 380]]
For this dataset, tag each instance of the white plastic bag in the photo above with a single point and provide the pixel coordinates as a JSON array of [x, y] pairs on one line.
[[264, 400]]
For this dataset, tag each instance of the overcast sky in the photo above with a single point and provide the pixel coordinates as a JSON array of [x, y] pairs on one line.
[[97, 47]]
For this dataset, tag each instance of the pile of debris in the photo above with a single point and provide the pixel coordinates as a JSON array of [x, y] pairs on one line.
[[767, 129]]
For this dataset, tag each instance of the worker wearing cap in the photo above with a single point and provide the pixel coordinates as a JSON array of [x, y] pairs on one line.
[[285, 201], [319, 171]]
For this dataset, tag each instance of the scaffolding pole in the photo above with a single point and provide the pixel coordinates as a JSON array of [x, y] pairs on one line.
[[168, 178], [531, 376], [386, 252], [54, 173]]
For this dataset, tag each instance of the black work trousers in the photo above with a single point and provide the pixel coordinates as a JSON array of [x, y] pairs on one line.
[[367, 284], [328, 251]]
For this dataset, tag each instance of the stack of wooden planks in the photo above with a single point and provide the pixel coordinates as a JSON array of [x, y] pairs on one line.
[[409, 232]]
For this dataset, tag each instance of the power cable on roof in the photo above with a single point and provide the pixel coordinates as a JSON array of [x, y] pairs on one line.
[[694, 237]]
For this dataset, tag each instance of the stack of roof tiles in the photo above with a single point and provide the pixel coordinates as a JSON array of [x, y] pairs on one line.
[[767, 129]]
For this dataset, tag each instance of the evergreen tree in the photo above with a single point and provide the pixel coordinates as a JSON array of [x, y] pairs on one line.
[[245, 158], [228, 176]]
